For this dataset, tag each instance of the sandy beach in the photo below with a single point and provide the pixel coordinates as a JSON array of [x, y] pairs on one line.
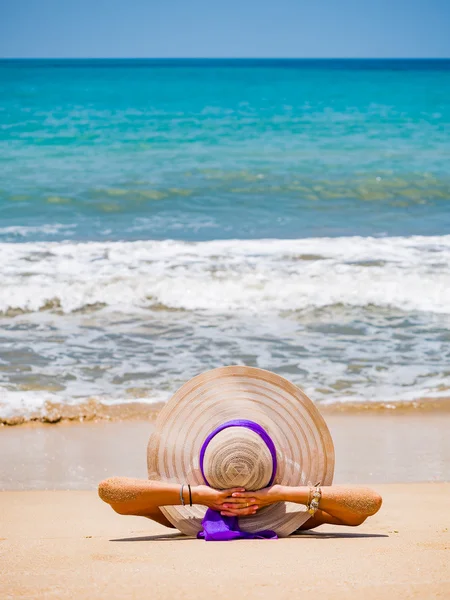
[[71, 545], [68, 544]]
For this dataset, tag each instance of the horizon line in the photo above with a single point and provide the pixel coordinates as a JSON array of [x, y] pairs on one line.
[[224, 58]]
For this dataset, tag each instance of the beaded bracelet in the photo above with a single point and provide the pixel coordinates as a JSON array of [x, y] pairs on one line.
[[315, 494]]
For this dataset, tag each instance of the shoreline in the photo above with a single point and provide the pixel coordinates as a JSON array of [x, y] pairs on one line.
[[383, 447], [94, 411]]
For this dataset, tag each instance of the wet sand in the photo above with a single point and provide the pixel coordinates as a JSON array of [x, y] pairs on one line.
[[387, 447]]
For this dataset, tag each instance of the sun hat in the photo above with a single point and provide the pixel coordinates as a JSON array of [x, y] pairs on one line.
[[241, 426]]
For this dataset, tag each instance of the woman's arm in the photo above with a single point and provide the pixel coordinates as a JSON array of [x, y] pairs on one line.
[[339, 504], [142, 497], [119, 491]]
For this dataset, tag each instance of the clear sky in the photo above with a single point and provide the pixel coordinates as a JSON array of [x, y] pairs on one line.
[[224, 28]]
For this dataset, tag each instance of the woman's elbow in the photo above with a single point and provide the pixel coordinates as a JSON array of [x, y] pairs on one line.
[[115, 492], [372, 504], [110, 490], [376, 503]]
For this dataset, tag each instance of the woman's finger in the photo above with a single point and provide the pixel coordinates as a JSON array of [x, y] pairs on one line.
[[239, 510], [232, 491], [238, 505], [246, 495], [231, 500], [228, 493]]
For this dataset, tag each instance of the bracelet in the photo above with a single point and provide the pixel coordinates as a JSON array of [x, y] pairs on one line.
[[181, 495], [190, 495], [315, 494]]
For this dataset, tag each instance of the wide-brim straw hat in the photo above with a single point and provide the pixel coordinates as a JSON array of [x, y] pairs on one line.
[[237, 456]]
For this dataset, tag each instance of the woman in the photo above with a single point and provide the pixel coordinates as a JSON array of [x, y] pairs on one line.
[[233, 455]]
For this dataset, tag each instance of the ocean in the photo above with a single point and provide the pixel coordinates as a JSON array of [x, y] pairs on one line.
[[159, 218]]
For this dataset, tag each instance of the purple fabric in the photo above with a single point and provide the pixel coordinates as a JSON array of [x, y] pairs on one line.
[[217, 527]]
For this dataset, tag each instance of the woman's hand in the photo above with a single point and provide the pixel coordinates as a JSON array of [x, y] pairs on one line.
[[220, 500], [255, 500]]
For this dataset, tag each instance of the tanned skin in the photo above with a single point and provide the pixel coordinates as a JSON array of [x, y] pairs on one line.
[[339, 505]]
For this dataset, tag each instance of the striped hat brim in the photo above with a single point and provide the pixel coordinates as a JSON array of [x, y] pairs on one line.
[[305, 453]]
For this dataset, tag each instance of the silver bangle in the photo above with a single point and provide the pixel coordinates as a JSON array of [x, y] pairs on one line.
[[181, 495]]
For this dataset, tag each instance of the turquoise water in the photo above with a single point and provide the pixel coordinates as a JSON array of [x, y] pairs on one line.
[[159, 218], [199, 150]]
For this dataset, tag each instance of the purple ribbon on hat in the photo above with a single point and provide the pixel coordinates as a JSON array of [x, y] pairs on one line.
[[217, 527]]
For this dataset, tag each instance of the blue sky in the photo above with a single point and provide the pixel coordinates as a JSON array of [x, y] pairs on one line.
[[226, 28]]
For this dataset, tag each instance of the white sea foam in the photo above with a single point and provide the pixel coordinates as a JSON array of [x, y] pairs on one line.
[[23, 231], [406, 273], [47, 406], [383, 338], [29, 403]]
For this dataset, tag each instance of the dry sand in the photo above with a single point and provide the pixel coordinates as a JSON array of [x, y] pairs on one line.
[[71, 545]]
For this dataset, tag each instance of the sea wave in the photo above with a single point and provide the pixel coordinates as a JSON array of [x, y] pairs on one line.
[[21, 231], [17, 408], [406, 273]]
